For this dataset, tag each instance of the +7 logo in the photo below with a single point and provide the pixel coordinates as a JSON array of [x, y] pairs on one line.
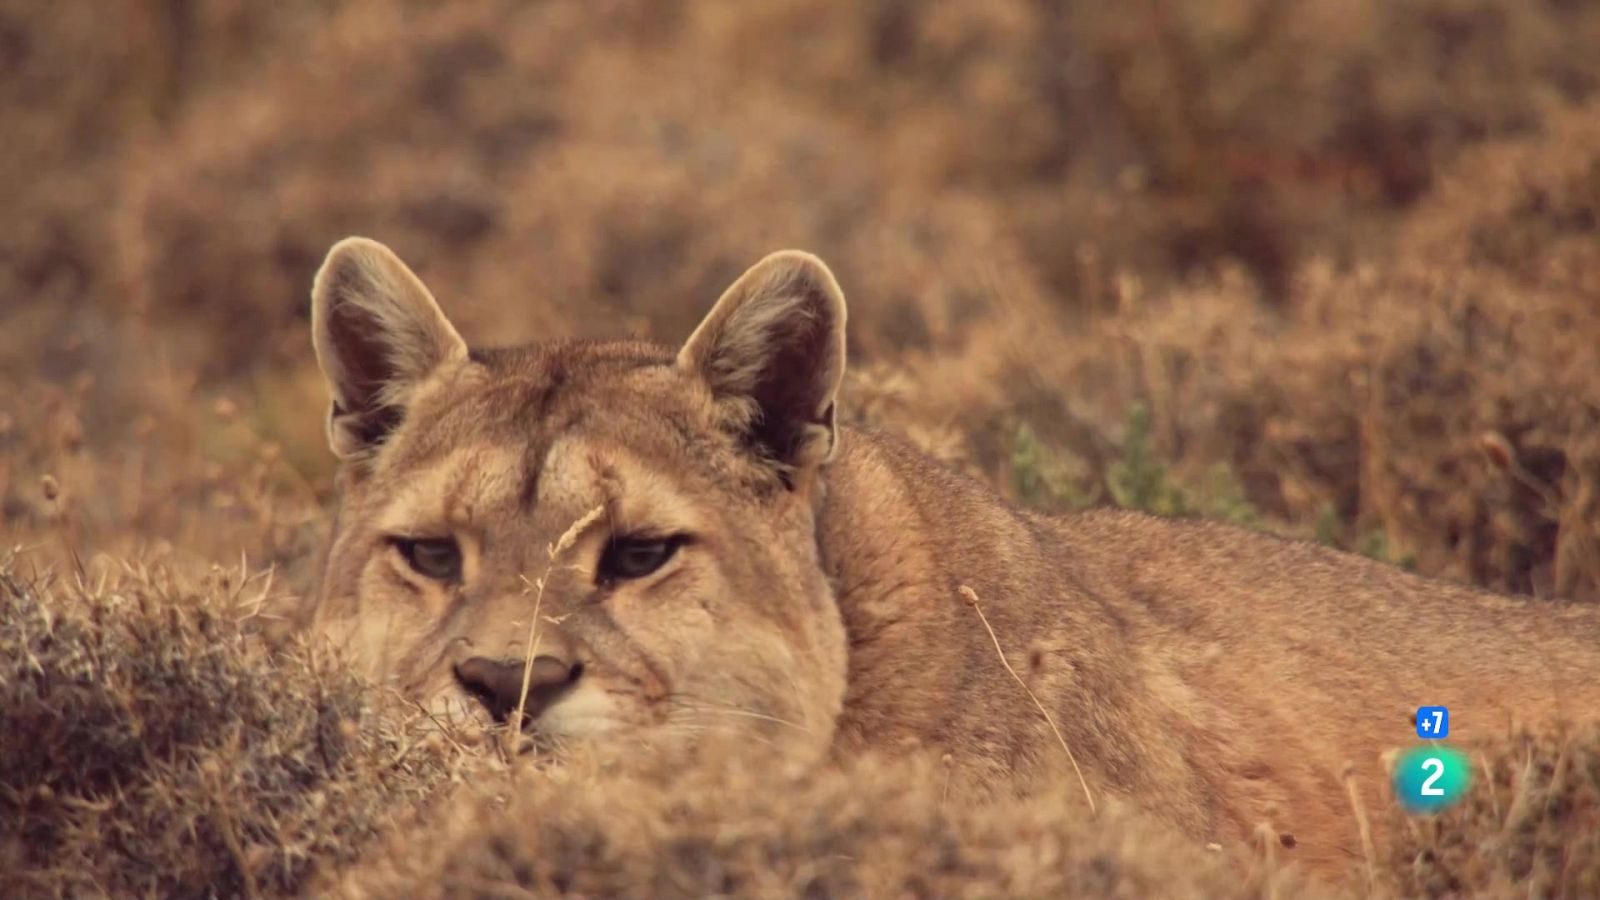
[[1433, 722]]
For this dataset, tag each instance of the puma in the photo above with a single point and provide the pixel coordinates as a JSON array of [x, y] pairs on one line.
[[740, 561]]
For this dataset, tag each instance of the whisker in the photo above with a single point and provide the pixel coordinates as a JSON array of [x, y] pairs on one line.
[[687, 703], [701, 729]]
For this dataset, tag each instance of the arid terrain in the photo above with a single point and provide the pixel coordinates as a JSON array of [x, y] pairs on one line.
[[1326, 268]]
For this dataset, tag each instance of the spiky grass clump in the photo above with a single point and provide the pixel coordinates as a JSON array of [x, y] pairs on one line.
[[149, 746], [737, 824], [1530, 826]]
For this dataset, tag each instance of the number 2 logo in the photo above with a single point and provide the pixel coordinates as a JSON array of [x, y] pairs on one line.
[[1430, 777], [1435, 765]]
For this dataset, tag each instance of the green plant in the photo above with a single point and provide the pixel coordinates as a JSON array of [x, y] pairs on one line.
[[1139, 479], [1041, 478], [1375, 544], [1223, 498], [1327, 527]]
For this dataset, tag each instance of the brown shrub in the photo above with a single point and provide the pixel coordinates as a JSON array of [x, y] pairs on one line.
[[78, 83], [1162, 136], [510, 163], [1529, 827], [149, 747], [1364, 409], [558, 171], [147, 462], [738, 826]]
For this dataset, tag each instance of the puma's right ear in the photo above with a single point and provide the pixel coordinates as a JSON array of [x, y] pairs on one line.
[[377, 333]]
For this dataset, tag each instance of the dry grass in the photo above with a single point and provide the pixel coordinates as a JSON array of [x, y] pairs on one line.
[[531, 651], [1323, 267], [743, 826], [153, 745], [1531, 828], [149, 746]]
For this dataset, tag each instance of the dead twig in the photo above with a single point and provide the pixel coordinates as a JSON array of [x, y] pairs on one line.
[[971, 598], [564, 543]]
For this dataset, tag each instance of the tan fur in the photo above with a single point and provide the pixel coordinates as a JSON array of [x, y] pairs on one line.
[[1220, 678]]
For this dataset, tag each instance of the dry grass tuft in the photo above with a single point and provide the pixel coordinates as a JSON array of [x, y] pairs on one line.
[[739, 825], [149, 746], [1530, 827]]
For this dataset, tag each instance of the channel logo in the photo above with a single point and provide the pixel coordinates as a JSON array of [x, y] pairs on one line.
[[1431, 777]]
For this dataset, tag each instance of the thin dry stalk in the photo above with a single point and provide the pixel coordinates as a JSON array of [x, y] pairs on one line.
[[64, 517], [1488, 782], [513, 732], [562, 545], [1557, 776], [971, 597], [1267, 838], [1364, 827]]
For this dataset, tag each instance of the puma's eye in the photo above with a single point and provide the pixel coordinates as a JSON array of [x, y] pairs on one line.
[[636, 557], [436, 558]]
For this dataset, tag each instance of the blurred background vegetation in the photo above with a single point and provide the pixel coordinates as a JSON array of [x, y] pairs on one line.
[[1324, 267]]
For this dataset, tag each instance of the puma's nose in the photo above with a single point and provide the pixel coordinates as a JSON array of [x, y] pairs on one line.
[[498, 683]]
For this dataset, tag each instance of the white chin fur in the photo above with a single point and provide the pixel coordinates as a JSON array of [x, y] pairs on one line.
[[584, 711]]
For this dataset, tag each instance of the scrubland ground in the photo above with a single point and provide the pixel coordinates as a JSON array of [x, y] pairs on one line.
[[1326, 268]]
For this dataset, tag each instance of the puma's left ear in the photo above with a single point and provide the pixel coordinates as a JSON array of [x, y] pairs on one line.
[[773, 352]]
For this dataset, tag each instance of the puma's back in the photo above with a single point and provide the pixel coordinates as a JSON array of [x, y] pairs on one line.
[[1223, 678], [622, 542]]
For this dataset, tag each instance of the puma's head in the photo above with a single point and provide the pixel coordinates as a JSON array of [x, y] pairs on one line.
[[643, 518]]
